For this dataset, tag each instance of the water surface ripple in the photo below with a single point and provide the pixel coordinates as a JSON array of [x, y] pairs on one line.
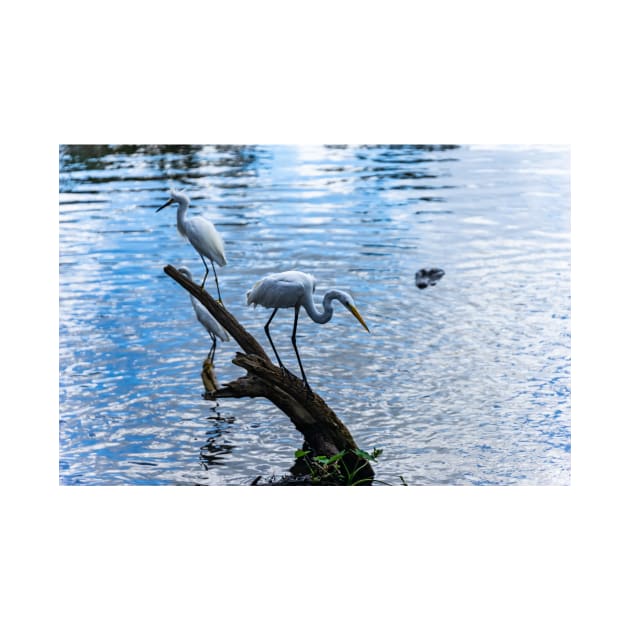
[[466, 382]]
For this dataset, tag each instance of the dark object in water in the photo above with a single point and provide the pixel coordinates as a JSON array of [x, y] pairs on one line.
[[428, 277]]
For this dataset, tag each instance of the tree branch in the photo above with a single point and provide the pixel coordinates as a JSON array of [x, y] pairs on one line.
[[220, 313], [323, 432]]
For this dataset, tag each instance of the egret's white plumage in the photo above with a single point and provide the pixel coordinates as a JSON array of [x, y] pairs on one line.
[[205, 318], [201, 233], [281, 290], [295, 289]]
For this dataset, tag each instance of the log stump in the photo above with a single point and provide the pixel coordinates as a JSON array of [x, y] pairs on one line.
[[324, 434]]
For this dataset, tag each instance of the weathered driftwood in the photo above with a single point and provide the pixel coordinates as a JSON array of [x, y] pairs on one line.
[[323, 432]]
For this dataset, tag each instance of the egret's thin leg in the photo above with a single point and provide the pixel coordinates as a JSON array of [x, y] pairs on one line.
[[216, 280], [211, 353], [294, 342], [203, 260], [269, 337]]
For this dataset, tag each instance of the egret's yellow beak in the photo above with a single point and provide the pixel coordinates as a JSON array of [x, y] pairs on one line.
[[168, 203], [356, 313]]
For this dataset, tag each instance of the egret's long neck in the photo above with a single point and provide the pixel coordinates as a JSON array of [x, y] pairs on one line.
[[181, 216], [325, 315]]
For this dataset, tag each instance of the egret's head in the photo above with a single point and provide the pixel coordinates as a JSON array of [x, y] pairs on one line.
[[348, 302], [175, 197]]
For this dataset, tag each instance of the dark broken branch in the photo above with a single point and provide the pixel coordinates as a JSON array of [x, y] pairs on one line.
[[220, 313], [323, 432]]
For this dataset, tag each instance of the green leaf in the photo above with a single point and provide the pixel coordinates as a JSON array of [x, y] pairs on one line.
[[323, 459], [335, 457], [363, 454]]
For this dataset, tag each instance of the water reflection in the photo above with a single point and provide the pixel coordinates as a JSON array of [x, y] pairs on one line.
[[467, 382], [215, 449]]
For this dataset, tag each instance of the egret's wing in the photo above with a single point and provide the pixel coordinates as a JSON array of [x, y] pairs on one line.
[[205, 239], [280, 290], [207, 321]]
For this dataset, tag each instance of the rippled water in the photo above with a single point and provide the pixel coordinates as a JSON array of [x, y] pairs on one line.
[[465, 382]]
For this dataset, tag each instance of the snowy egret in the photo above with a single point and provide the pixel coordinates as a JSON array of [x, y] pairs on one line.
[[205, 319], [201, 233], [295, 289]]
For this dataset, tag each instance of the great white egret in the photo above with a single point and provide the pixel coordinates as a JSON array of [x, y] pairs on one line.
[[201, 233], [205, 319], [295, 289]]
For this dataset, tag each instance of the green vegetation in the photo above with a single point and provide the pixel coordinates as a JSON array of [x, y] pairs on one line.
[[335, 470]]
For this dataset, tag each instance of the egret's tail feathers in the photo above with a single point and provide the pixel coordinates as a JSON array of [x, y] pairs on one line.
[[223, 336], [250, 294]]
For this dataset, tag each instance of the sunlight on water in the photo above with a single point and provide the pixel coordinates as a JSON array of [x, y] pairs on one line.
[[465, 382]]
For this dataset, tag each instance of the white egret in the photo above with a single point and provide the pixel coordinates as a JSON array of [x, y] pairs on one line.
[[201, 233], [205, 319], [295, 289]]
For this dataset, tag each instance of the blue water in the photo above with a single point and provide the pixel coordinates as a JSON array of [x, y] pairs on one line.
[[465, 382]]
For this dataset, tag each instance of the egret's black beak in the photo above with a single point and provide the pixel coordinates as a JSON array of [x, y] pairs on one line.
[[168, 203]]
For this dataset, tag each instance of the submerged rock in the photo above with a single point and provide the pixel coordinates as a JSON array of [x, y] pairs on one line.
[[428, 276]]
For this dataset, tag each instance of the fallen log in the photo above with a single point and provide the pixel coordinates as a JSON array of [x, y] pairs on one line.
[[324, 434]]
